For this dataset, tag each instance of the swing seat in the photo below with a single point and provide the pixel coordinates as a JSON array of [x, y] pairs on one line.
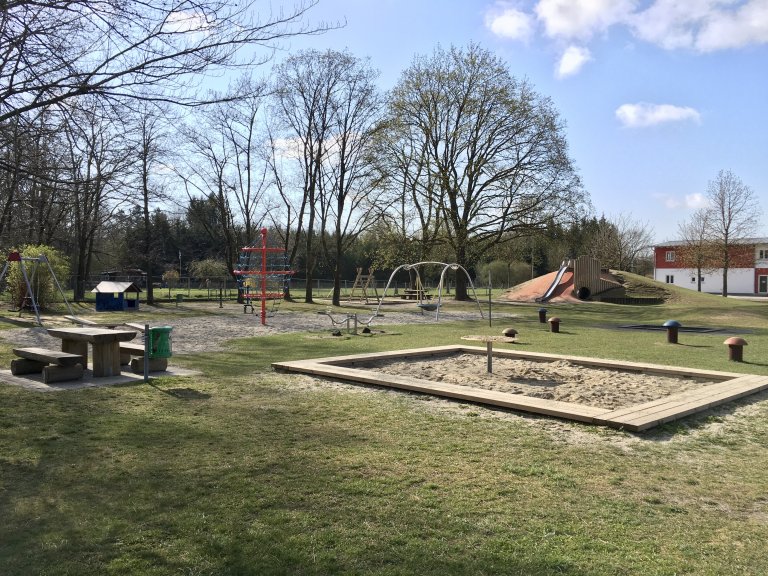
[[428, 306]]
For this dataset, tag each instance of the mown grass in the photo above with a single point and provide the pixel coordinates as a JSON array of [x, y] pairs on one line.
[[245, 471]]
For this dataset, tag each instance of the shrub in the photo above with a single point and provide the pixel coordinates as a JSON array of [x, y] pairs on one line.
[[38, 274], [171, 278], [503, 274]]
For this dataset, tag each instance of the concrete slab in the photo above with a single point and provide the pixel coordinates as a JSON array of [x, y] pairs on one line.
[[35, 381]]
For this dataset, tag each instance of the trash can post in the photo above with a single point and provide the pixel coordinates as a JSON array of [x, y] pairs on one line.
[[735, 348], [672, 327]]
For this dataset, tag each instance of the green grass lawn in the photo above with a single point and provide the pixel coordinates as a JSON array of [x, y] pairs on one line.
[[246, 471]]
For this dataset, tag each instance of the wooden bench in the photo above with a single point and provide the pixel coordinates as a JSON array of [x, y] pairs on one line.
[[91, 323], [133, 354], [54, 365], [410, 294]]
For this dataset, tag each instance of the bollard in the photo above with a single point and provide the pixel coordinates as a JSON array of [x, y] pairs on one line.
[[735, 348], [554, 324], [543, 315], [509, 332], [672, 327]]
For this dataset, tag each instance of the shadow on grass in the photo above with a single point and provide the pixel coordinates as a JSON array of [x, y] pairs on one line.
[[182, 393]]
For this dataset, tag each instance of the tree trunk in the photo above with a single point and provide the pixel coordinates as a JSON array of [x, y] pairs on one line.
[[336, 298], [336, 301], [461, 278]]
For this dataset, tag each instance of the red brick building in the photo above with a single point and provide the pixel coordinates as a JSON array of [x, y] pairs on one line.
[[747, 272]]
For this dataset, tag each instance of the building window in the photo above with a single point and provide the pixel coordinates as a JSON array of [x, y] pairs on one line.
[[670, 278], [763, 254], [693, 279], [669, 256]]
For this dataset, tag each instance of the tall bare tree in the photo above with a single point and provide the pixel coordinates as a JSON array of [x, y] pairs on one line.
[[154, 50], [349, 195], [100, 155], [698, 252], [497, 153], [304, 87], [734, 213]]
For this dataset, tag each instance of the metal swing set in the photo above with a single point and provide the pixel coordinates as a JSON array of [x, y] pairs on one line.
[[29, 299], [430, 306]]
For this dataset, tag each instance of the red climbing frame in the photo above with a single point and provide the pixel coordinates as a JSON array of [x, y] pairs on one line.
[[266, 268]]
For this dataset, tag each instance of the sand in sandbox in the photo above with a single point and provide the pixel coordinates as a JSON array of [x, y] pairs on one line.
[[560, 380]]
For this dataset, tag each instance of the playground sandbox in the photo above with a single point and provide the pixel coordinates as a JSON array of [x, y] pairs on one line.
[[627, 395]]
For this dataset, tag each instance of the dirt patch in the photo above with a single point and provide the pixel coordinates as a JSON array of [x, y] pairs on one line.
[[561, 380], [210, 333]]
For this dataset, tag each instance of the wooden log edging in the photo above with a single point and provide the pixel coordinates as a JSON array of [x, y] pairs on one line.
[[729, 386]]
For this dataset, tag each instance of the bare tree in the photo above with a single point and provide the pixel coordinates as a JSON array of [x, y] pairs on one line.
[[620, 241], [54, 51], [412, 215], [698, 252], [348, 195], [734, 213], [497, 153], [32, 195], [304, 87], [207, 182], [285, 210], [99, 158], [151, 135]]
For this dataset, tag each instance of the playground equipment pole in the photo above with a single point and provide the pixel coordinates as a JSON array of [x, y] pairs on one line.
[[490, 319], [263, 276]]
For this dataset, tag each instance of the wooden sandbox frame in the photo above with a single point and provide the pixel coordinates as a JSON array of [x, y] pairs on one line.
[[729, 385]]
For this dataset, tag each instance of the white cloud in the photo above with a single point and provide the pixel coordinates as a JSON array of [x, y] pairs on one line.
[[748, 25], [702, 25], [581, 19], [572, 60], [182, 21], [669, 201], [695, 200], [690, 201], [643, 114], [508, 22]]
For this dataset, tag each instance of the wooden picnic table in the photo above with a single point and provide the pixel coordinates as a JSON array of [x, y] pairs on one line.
[[105, 344]]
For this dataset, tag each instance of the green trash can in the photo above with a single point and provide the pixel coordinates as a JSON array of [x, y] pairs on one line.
[[160, 342]]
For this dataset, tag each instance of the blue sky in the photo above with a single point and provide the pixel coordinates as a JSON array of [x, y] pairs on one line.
[[657, 95]]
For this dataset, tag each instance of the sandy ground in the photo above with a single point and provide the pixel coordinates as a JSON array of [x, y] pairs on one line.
[[560, 380], [211, 332]]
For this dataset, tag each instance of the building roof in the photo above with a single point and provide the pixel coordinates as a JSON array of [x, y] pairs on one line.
[[107, 287], [674, 243]]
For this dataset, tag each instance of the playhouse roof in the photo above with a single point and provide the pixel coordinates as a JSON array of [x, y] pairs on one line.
[[115, 287]]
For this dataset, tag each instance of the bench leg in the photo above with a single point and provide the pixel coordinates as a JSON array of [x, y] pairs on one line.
[[62, 373], [155, 365], [25, 366], [76, 347], [106, 359]]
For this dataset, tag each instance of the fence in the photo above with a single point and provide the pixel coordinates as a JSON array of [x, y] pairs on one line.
[[225, 288]]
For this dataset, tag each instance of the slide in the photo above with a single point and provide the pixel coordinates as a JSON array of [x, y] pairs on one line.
[[551, 290]]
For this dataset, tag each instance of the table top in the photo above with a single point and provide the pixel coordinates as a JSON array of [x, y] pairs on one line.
[[482, 338], [92, 335]]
